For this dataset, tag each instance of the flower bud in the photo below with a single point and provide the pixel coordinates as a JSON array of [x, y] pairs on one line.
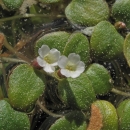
[[35, 64], [120, 25]]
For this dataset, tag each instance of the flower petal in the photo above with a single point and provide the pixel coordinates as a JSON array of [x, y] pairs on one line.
[[40, 61], [74, 58], [48, 68], [44, 50], [62, 62], [74, 74], [80, 67], [54, 54], [54, 64], [65, 72]]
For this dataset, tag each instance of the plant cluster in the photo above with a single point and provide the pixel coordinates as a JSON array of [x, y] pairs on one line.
[[64, 65]]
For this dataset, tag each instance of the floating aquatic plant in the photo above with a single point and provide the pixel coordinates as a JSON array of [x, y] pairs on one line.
[[64, 65]]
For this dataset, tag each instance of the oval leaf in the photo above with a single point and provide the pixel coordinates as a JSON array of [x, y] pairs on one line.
[[11, 119], [87, 12], [79, 44], [121, 11], [100, 78], [25, 86], [108, 113], [53, 40], [123, 111], [77, 93], [106, 43]]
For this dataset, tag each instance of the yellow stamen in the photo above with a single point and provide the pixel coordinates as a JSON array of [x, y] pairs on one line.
[[71, 67], [47, 59]]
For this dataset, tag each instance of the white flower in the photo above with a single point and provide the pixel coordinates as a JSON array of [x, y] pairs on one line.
[[71, 66], [48, 58]]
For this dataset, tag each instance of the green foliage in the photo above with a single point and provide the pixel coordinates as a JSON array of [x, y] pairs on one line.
[[121, 11], [123, 111], [79, 44], [11, 119], [108, 111], [106, 43], [72, 121], [26, 88], [102, 79], [87, 12], [77, 93], [12, 4], [84, 27], [53, 40]]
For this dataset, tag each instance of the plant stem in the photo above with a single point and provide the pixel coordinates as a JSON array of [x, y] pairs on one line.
[[47, 111], [27, 16], [12, 60], [124, 89], [118, 71], [116, 91]]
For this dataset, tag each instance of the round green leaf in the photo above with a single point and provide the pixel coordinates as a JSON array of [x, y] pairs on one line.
[[87, 12], [12, 4], [123, 111], [25, 86], [77, 93], [72, 121], [79, 44], [121, 11], [11, 119], [126, 48], [100, 78], [53, 40], [106, 43], [109, 115]]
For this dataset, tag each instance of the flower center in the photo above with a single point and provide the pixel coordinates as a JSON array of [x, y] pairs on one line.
[[48, 59], [71, 67]]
